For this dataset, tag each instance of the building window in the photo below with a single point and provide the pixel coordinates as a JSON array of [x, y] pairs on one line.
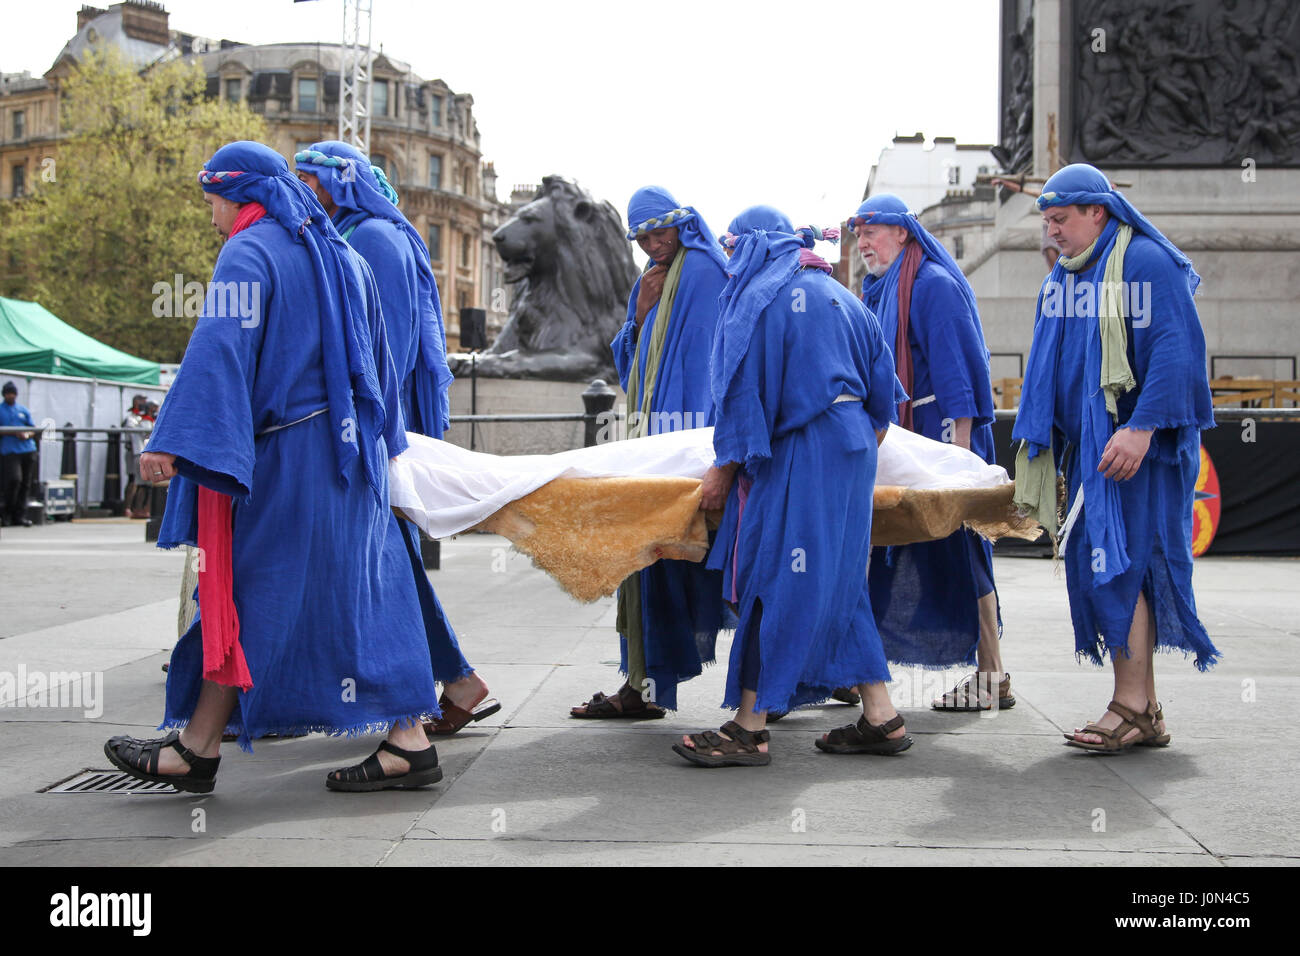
[[958, 247], [467, 181], [464, 249], [379, 98], [233, 91], [307, 95], [435, 171], [954, 175], [435, 111], [20, 124], [435, 243], [19, 180]]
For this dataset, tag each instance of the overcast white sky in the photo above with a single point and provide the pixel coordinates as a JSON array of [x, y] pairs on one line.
[[726, 104]]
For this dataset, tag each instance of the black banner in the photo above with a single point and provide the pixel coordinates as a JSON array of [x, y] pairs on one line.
[[1258, 467]]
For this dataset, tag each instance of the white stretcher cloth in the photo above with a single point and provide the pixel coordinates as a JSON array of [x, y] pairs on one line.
[[446, 489]]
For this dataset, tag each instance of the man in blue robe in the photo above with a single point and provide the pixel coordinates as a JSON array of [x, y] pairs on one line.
[[363, 206], [803, 386], [1115, 396], [669, 614], [276, 435], [935, 601]]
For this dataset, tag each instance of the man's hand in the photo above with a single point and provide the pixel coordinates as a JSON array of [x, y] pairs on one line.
[[1124, 453], [715, 485], [155, 466], [652, 287]]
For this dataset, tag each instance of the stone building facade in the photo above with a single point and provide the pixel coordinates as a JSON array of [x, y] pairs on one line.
[[423, 133], [937, 182]]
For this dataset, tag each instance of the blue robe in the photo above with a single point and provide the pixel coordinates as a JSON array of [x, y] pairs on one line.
[[328, 615], [925, 595], [800, 549], [1166, 352], [386, 249], [681, 601]]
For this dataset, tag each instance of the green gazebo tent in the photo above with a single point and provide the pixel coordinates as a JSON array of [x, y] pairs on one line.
[[33, 339]]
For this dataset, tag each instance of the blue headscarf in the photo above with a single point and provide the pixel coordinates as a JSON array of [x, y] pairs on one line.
[[653, 207], [361, 191], [245, 172], [771, 219], [761, 264], [767, 218], [1082, 185], [888, 210]]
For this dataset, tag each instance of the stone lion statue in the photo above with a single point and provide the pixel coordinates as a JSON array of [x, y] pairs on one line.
[[569, 255]]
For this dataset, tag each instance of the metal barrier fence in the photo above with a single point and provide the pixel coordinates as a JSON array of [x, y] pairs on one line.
[[597, 412]]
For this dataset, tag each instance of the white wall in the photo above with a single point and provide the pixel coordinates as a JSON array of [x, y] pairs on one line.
[[55, 400]]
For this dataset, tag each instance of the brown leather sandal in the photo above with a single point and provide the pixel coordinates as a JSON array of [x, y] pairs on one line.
[[1157, 713], [630, 706], [865, 738], [1112, 738], [740, 751], [973, 693], [455, 718]]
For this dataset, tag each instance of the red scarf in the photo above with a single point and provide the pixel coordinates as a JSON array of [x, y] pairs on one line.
[[902, 347], [223, 657], [810, 259]]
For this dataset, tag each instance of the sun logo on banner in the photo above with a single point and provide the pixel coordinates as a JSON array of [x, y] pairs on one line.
[[1205, 505]]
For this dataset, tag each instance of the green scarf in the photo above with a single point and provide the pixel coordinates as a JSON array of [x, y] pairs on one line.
[[640, 400], [1116, 375], [1035, 479]]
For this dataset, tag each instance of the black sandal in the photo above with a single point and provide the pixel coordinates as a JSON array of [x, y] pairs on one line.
[[740, 751], [139, 759], [846, 695], [369, 774], [865, 738]]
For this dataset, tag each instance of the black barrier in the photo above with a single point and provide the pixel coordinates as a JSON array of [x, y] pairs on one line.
[[69, 462], [1257, 462], [1258, 468], [157, 506], [112, 497], [597, 402]]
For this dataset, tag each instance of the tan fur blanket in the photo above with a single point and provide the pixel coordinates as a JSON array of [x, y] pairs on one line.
[[591, 533]]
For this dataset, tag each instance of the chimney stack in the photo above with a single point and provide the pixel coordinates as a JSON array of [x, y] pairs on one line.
[[145, 20]]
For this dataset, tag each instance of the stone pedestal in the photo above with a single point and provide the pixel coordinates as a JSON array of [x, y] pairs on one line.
[[1239, 222], [498, 396]]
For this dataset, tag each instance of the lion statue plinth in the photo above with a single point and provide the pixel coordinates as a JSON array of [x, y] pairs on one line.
[[569, 256]]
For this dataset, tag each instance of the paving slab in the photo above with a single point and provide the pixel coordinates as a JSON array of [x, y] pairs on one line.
[[531, 786]]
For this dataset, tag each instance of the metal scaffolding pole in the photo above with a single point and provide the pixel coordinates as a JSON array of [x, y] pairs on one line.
[[354, 75]]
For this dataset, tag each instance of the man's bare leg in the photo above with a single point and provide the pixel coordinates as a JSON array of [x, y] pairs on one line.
[[988, 654], [203, 733], [877, 707], [1134, 674], [467, 692]]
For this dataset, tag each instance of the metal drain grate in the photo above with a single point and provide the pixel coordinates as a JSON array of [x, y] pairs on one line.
[[106, 781]]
